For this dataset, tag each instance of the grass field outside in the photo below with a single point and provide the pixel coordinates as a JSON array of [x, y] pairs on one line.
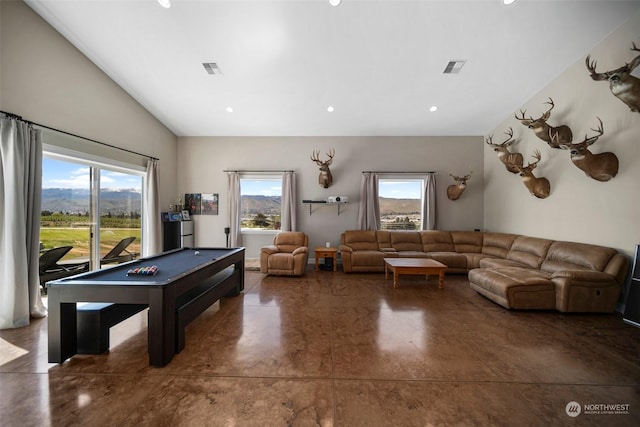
[[78, 237]]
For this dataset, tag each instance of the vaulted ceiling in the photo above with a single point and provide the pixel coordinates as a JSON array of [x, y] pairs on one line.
[[379, 64]]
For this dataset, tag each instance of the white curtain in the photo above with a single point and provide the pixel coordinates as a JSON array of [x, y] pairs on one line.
[[430, 217], [369, 206], [235, 209], [151, 232], [21, 182], [289, 202]]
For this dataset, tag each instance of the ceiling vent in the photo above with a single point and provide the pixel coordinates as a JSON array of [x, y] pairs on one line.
[[212, 68], [454, 67]]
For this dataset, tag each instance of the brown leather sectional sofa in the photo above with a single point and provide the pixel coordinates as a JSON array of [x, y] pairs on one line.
[[514, 271]]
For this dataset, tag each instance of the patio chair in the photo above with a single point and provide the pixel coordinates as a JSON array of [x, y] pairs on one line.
[[50, 269], [119, 253]]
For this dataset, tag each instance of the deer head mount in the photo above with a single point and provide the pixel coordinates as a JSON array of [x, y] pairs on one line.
[[455, 191], [539, 187], [551, 135], [602, 166], [324, 179], [621, 83], [512, 161]]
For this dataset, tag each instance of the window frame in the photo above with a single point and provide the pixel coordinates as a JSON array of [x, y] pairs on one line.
[[98, 164], [421, 180], [260, 177]]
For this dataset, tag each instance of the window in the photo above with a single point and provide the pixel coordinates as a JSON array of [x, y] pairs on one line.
[[261, 203], [88, 206], [400, 203]]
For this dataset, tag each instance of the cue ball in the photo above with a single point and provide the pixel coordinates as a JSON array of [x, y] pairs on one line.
[[197, 252]]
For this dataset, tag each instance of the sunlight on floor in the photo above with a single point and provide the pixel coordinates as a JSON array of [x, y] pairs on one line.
[[9, 352]]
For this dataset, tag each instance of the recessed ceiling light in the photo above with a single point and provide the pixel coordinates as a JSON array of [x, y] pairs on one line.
[[165, 3], [330, 109], [507, 2], [433, 108], [229, 109], [335, 2]]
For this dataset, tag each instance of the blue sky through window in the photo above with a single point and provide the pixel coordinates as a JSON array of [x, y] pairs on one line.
[[63, 174], [400, 189], [396, 189], [261, 187]]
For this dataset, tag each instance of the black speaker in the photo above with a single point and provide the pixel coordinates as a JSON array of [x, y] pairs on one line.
[[632, 307]]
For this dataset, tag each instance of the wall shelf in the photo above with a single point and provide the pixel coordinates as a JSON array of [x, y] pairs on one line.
[[322, 202]]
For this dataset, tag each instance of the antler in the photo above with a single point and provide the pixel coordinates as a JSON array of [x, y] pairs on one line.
[[509, 140], [524, 119], [591, 65], [316, 157], [547, 113], [536, 155], [489, 141], [331, 153], [636, 61], [599, 131], [461, 179]]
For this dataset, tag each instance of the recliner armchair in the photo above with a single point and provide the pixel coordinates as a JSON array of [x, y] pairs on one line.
[[287, 256]]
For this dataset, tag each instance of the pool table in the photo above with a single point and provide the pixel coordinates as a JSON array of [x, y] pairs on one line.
[[178, 272]]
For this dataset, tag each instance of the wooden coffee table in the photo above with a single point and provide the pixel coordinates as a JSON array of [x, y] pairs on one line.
[[424, 266]]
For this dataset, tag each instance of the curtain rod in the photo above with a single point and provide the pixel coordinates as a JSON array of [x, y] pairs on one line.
[[256, 171], [400, 172], [15, 116]]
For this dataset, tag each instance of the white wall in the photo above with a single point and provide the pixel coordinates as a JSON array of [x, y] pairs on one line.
[[201, 161], [579, 208], [45, 79]]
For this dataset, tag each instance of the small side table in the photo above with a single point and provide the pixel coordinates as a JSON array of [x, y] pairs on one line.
[[322, 252]]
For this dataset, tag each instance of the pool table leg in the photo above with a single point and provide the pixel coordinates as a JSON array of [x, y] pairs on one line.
[[162, 326], [62, 330]]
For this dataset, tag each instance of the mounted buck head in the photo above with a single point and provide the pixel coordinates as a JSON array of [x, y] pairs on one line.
[[602, 166], [551, 135], [512, 161], [455, 191], [622, 84], [325, 179], [539, 187]]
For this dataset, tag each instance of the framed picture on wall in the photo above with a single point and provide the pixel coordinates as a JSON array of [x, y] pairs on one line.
[[209, 204], [193, 203]]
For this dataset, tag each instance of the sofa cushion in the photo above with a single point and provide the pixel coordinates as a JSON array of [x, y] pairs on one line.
[[492, 262], [412, 254], [497, 244], [515, 287], [576, 256], [384, 240], [406, 241], [530, 251], [467, 241], [451, 259], [280, 261], [368, 258], [436, 241], [361, 240], [289, 241]]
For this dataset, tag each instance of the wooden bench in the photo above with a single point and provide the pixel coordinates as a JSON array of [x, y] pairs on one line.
[[191, 304], [94, 321]]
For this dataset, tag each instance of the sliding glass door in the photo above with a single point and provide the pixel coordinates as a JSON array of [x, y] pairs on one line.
[[94, 208]]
